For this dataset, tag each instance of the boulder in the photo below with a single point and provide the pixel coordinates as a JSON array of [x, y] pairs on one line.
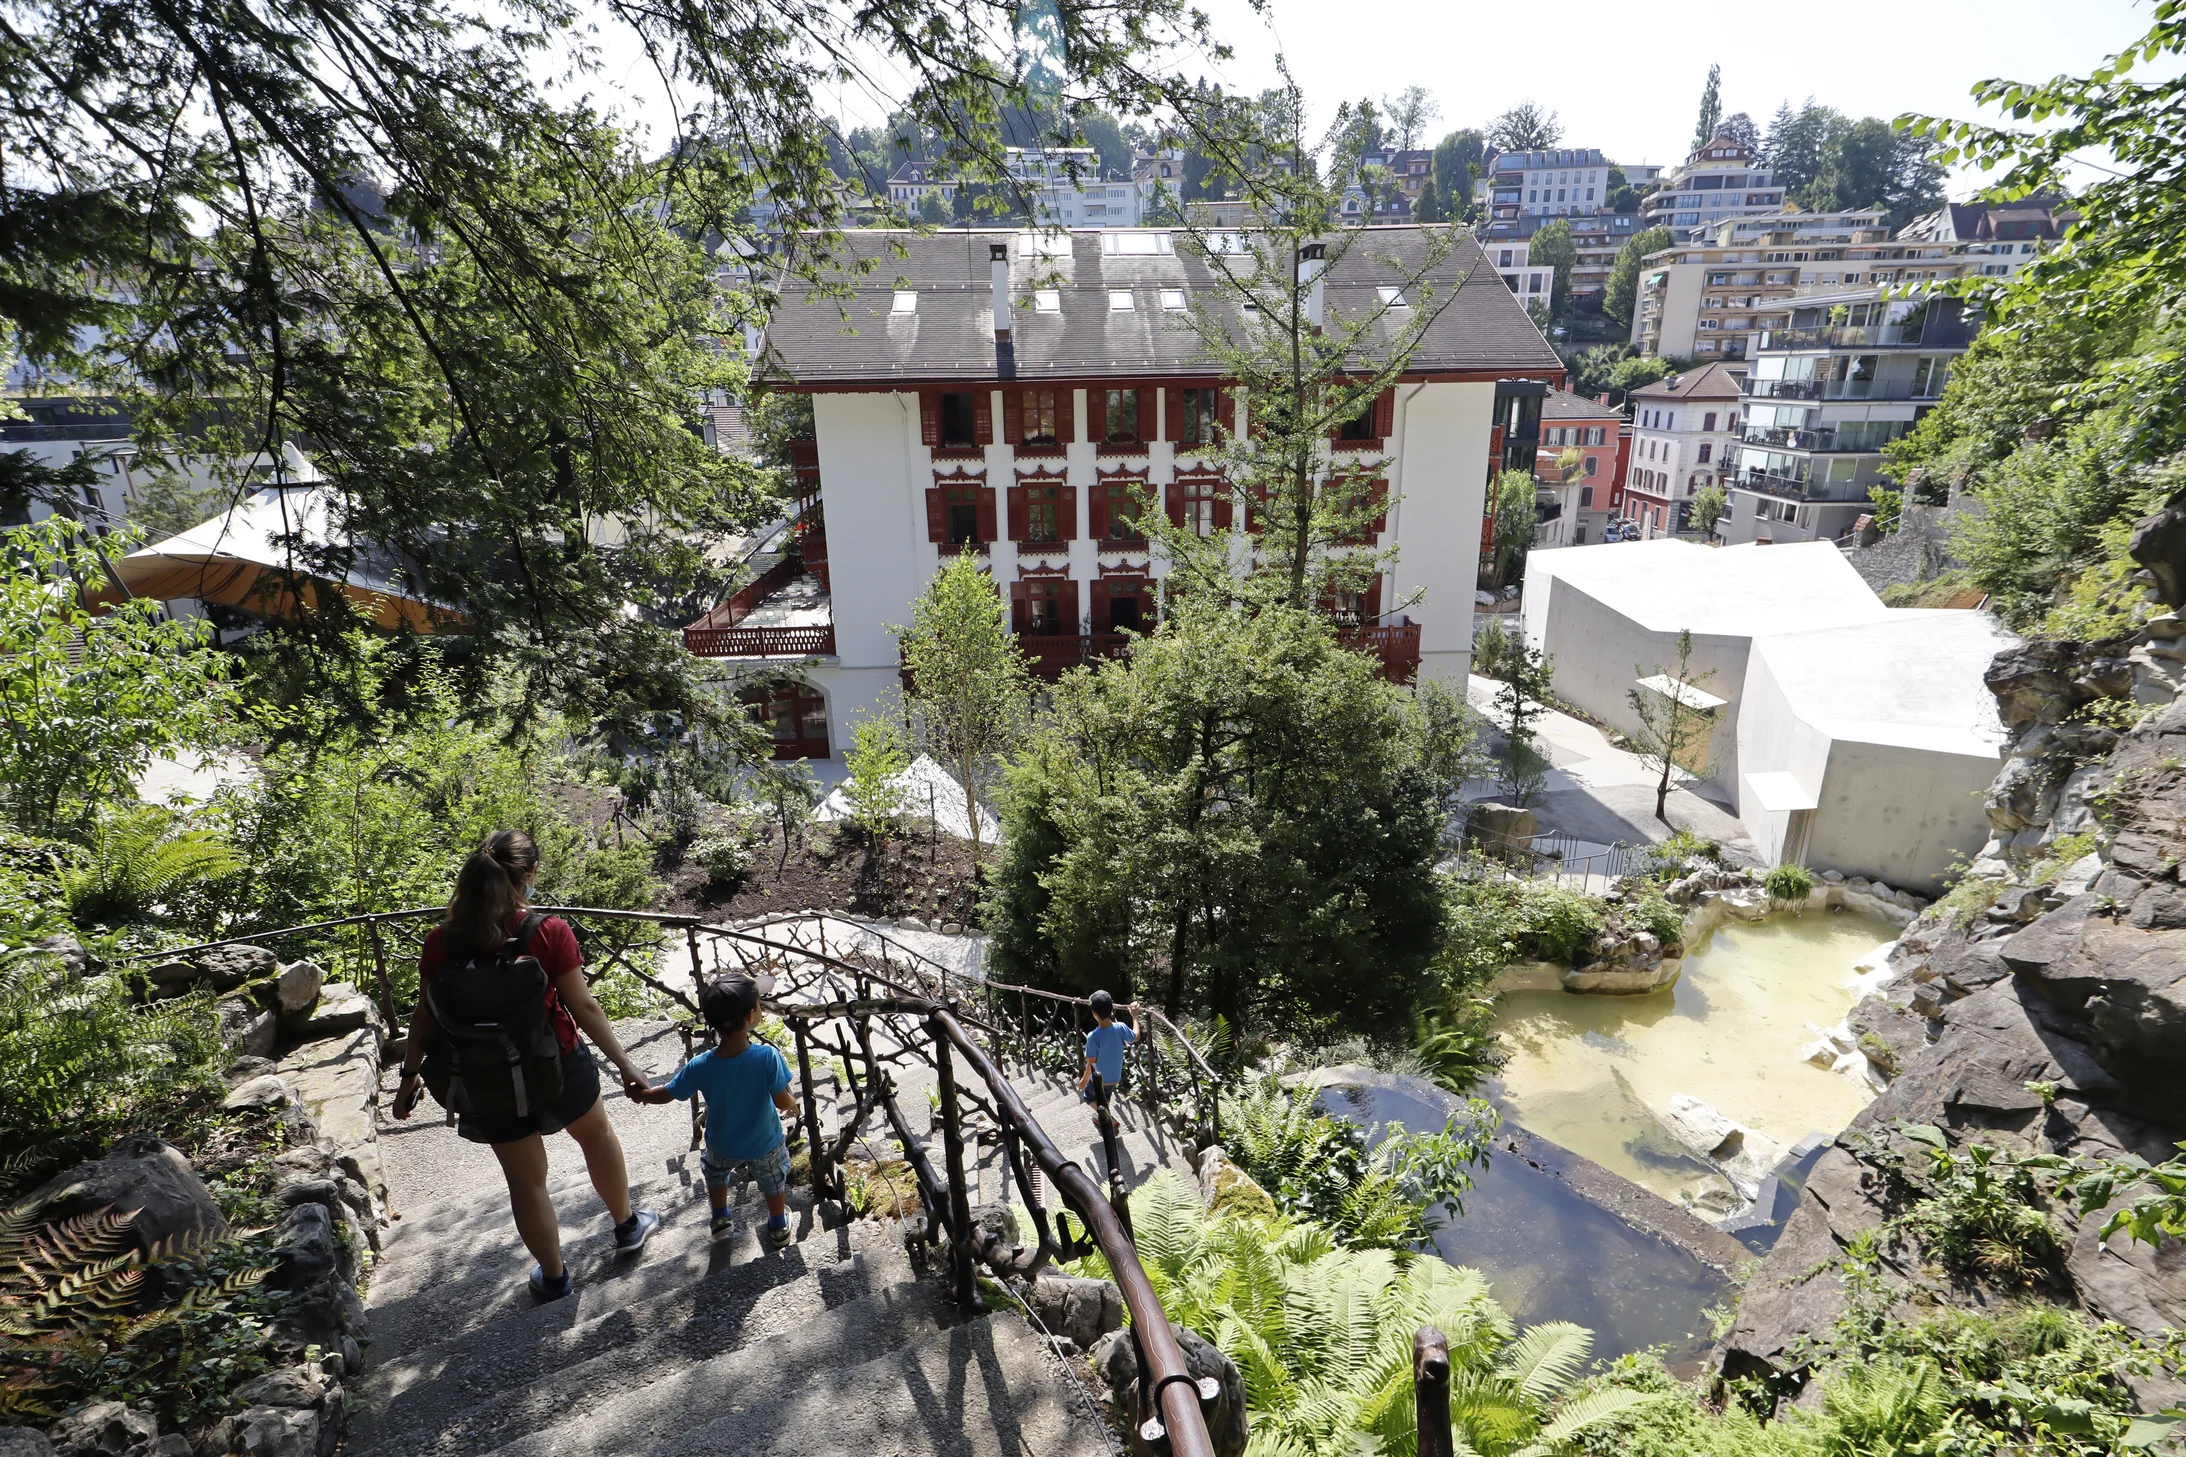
[[1890, 1036], [2159, 544], [24, 1442], [228, 967], [1224, 1186], [245, 1030], [1501, 829], [142, 1173], [1077, 1309], [338, 1081], [105, 1429], [1114, 1358], [342, 1008], [297, 987], [322, 1309], [271, 1431], [269, 1091], [291, 1386]]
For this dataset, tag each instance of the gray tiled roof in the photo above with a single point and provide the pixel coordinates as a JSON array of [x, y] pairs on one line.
[[1712, 381], [817, 339], [1564, 405]]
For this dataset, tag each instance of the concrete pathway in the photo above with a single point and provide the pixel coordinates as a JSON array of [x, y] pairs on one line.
[[1601, 795]]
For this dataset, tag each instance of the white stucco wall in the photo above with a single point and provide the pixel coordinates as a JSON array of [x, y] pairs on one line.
[[878, 555], [1440, 477], [1899, 814]]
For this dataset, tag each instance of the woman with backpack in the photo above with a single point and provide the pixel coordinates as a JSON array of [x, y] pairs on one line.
[[507, 982]]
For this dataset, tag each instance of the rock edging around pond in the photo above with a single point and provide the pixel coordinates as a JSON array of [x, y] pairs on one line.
[[1635, 964]]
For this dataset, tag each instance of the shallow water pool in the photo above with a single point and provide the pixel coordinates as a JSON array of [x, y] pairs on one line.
[[1583, 1069]]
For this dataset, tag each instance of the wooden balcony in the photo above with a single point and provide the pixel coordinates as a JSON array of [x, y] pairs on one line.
[[1051, 656], [759, 642], [794, 619], [1396, 645]]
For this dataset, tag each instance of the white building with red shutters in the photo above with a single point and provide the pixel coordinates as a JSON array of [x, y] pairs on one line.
[[1020, 396]]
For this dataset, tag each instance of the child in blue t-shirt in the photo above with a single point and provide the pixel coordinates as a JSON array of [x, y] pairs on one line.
[[1104, 1047], [739, 1077]]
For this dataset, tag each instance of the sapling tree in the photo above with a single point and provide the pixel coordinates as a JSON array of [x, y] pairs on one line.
[[970, 689], [1515, 523], [1673, 724], [1709, 508], [1528, 680], [879, 753], [789, 792]]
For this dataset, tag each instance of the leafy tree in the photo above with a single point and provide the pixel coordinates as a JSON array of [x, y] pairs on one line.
[[1529, 678], [1515, 521], [1427, 207], [1639, 372], [1800, 144], [1739, 127], [1672, 726], [1526, 127], [1553, 246], [1711, 108], [1410, 112], [931, 209], [1709, 508], [879, 753], [1457, 162], [1620, 195], [970, 689], [1621, 295], [1243, 814], [86, 701]]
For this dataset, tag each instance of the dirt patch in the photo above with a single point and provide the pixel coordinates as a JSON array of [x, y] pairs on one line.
[[838, 869]]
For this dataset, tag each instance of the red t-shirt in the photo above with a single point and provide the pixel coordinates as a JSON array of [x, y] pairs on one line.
[[556, 947]]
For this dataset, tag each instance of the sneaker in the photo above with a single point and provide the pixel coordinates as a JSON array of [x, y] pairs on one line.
[[721, 1225], [631, 1235], [544, 1290], [777, 1233]]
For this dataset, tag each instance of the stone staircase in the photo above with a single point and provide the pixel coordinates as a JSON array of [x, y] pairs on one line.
[[837, 1344]]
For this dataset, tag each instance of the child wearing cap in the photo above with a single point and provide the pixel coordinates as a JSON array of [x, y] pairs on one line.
[[740, 1077]]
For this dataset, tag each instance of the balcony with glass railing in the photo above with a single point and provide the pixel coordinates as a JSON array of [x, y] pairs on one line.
[[1842, 389], [1795, 488], [1852, 436], [1847, 336]]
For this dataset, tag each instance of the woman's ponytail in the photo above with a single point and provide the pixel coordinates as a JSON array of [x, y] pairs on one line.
[[489, 890]]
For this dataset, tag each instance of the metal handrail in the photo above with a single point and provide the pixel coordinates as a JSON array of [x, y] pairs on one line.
[[1173, 1396]]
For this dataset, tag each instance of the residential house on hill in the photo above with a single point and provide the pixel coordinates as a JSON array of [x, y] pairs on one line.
[[1575, 498], [1023, 396], [1683, 431], [1724, 178], [1997, 239]]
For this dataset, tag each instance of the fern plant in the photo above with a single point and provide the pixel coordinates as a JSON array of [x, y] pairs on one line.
[[1323, 1336], [73, 1318], [138, 858]]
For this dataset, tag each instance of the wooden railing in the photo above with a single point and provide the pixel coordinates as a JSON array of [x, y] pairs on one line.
[[1395, 644], [831, 999], [1050, 655], [760, 642]]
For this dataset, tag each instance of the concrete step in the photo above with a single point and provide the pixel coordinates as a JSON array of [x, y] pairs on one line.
[[847, 1295], [985, 1388]]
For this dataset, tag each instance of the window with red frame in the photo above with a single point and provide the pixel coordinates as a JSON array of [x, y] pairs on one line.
[[795, 713]]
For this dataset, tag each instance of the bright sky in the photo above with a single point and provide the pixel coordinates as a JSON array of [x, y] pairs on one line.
[[1623, 78]]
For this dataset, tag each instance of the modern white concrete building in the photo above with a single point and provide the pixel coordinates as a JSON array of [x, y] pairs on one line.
[[1849, 735], [1611, 614], [1019, 396], [1868, 747]]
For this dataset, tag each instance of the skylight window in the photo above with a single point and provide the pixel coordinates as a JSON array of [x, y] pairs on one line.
[[1047, 300], [1119, 301], [1172, 299], [1052, 244], [1136, 244], [906, 302], [1393, 298]]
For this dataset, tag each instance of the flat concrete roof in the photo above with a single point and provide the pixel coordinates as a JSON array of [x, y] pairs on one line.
[[1667, 585], [1912, 680]]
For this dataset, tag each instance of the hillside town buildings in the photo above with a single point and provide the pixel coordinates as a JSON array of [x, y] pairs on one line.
[[1554, 182], [1995, 239], [1684, 429], [1582, 444], [1722, 179]]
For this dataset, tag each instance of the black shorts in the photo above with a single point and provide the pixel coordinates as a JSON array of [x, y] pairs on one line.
[[580, 1090]]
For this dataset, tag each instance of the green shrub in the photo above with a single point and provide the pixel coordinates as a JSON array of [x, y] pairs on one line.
[[1479, 932], [1668, 857], [1650, 912], [1557, 923], [1789, 883], [724, 858]]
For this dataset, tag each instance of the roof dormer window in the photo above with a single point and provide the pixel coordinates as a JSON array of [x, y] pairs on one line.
[[1392, 298], [1119, 301], [1047, 300], [906, 302], [1172, 299]]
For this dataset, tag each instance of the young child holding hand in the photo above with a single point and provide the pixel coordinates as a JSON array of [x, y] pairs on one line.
[[740, 1077]]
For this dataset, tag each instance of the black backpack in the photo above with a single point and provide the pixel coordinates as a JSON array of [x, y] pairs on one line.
[[494, 1052]]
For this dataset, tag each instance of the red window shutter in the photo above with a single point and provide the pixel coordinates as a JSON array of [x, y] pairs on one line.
[[1020, 593], [1099, 593], [1373, 601], [1385, 414], [1066, 606], [1225, 409], [1013, 417], [1096, 511], [986, 514], [1069, 512], [1018, 523], [1066, 415], [983, 416], [929, 419], [1381, 507], [1256, 510], [1222, 509], [1172, 400], [1176, 505], [937, 516], [1149, 410]]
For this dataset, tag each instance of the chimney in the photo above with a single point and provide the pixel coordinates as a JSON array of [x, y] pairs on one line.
[[999, 255], [1312, 258]]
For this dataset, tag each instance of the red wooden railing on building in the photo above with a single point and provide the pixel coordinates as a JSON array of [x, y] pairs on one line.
[[1051, 656], [1395, 644], [760, 642]]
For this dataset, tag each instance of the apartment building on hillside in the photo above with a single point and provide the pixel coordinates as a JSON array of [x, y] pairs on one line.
[[1684, 429], [1597, 238], [909, 184], [1710, 298], [1995, 239], [1388, 195], [1067, 188], [1723, 179], [1574, 496], [1849, 373], [1556, 182], [1509, 258], [1024, 397]]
